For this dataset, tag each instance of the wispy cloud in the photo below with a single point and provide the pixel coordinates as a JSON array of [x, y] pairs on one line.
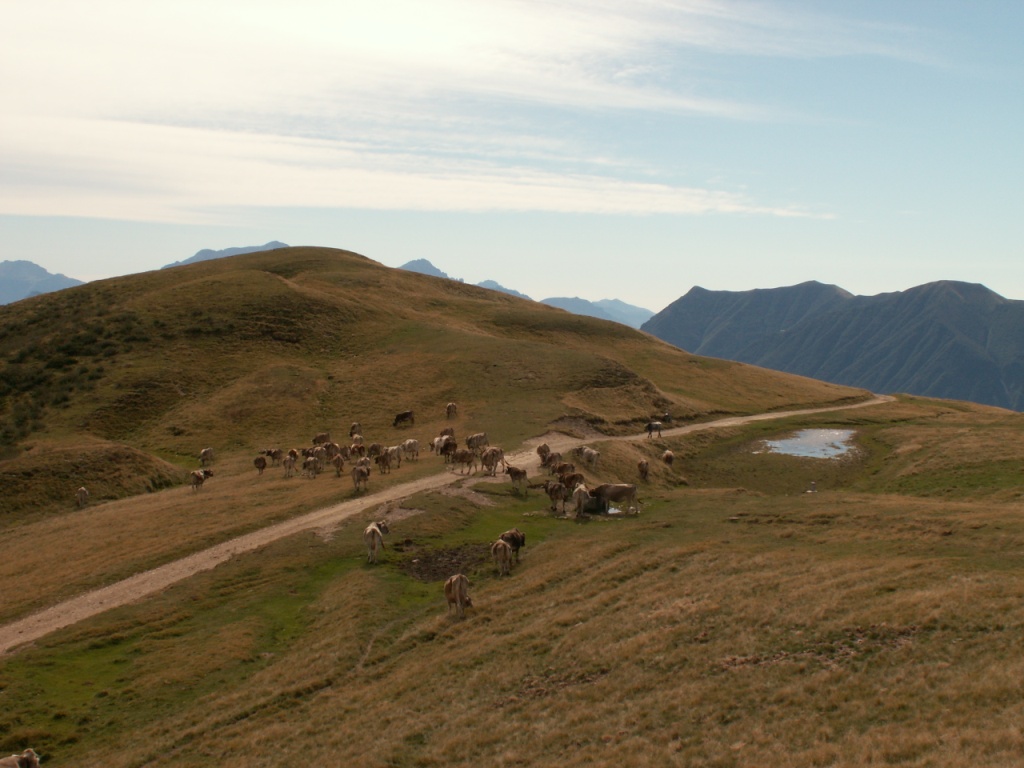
[[168, 111]]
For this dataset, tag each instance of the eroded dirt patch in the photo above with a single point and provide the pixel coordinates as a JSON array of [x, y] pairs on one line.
[[427, 564]]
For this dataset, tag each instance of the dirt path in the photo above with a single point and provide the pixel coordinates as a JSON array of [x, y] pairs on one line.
[[143, 584]]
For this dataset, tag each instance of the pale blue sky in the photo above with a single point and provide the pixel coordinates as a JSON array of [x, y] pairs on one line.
[[601, 148]]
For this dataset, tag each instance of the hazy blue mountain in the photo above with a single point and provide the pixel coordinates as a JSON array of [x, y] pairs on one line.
[[578, 306], [206, 254], [499, 287], [21, 279], [627, 314], [945, 339], [423, 267]]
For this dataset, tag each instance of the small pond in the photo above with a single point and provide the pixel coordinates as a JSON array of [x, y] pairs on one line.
[[813, 443]]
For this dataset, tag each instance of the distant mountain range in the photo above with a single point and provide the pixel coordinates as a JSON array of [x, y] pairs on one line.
[[21, 279], [206, 254], [946, 339], [606, 309]]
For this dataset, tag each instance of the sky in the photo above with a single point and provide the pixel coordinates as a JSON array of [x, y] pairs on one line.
[[600, 148]]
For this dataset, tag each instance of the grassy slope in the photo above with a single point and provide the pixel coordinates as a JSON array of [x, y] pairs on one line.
[[737, 621]]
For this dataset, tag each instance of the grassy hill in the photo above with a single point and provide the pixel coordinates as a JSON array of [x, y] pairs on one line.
[[736, 621]]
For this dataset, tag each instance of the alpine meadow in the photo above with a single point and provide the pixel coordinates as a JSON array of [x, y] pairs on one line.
[[760, 609]]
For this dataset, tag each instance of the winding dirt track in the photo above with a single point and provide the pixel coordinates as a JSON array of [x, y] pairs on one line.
[[146, 583]]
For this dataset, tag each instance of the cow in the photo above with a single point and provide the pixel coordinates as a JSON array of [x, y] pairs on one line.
[[374, 449], [383, 462], [275, 455], [357, 449], [589, 455], [451, 410], [561, 468], [395, 452], [288, 462], [198, 477], [373, 537], [310, 467], [652, 427], [557, 493], [515, 539], [518, 477], [643, 468], [411, 448], [450, 431], [360, 476], [27, 759], [403, 418], [448, 451], [553, 459], [668, 457], [355, 429], [205, 457], [477, 442], [456, 592], [81, 497], [606, 493], [321, 437], [571, 479], [464, 458], [501, 551], [357, 439], [260, 462], [542, 451], [491, 458], [338, 461], [580, 497]]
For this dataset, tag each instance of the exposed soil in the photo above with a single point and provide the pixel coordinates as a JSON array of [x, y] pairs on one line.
[[427, 564]]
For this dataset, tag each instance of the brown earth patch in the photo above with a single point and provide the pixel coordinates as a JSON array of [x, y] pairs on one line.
[[438, 564]]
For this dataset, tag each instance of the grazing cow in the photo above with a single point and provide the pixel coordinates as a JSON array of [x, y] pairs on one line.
[[643, 467], [501, 551], [668, 457], [321, 438], [456, 592], [515, 539], [205, 457], [580, 497], [357, 439], [260, 462], [411, 449], [518, 477], [589, 455], [451, 410], [338, 461], [310, 467], [360, 476], [450, 431], [27, 759], [81, 497], [383, 463], [477, 442], [275, 455], [557, 493], [355, 429], [357, 449], [374, 449], [571, 479], [464, 458], [618, 492], [198, 477], [652, 427], [543, 450], [373, 537], [491, 458], [288, 462], [561, 468], [403, 418]]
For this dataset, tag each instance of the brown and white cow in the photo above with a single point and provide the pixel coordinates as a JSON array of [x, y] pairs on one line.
[[668, 457], [652, 427], [373, 537], [491, 458], [205, 457], [338, 462], [501, 552], [477, 442], [557, 493], [383, 462], [606, 493], [643, 468], [355, 429], [542, 451], [518, 477], [588, 454], [360, 476], [451, 410], [198, 477], [288, 462], [81, 497], [515, 539], [580, 498], [405, 417], [310, 467], [27, 759], [321, 438], [464, 458], [456, 592], [275, 455], [260, 462], [411, 449]]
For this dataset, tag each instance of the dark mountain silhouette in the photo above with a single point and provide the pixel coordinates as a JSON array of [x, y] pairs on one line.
[[947, 339], [21, 279], [206, 254]]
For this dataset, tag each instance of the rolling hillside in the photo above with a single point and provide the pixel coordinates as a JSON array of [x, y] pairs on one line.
[[945, 339], [737, 620]]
